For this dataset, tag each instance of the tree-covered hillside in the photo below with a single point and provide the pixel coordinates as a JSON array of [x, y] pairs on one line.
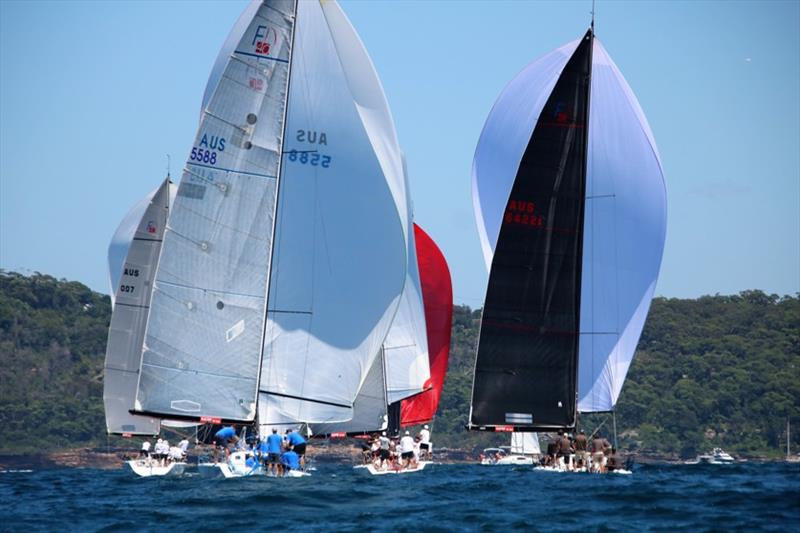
[[718, 370]]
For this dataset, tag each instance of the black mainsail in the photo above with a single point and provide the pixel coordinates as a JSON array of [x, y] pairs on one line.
[[526, 366]]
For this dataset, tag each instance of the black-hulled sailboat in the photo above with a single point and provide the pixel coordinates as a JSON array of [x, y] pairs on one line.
[[570, 204]]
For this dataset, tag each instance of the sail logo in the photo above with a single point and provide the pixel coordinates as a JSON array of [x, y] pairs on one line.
[[257, 84], [151, 227], [562, 113], [523, 213], [264, 39]]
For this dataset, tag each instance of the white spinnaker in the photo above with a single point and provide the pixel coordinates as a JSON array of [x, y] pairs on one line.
[[525, 443], [406, 345], [203, 343], [132, 257], [340, 251], [503, 140], [625, 229], [625, 212]]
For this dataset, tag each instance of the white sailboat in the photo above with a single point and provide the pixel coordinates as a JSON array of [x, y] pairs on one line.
[[277, 282]]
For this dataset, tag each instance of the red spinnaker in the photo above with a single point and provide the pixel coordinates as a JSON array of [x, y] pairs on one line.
[[437, 298]]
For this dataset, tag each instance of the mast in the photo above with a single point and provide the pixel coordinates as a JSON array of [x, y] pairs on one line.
[[277, 209]]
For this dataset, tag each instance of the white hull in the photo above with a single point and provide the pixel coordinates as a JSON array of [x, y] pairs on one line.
[[236, 466], [510, 460], [147, 468], [620, 471], [386, 470]]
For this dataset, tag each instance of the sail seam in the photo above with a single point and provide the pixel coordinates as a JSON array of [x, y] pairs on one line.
[[232, 171], [278, 59], [202, 372]]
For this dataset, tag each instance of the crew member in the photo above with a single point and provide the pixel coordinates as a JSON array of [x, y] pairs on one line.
[[223, 439], [424, 442], [274, 443], [407, 450], [298, 445]]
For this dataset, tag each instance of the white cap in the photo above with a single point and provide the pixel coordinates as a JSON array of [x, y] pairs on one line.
[[425, 426], [407, 433], [383, 433]]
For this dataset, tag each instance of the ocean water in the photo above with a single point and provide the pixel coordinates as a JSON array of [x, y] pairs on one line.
[[748, 496]]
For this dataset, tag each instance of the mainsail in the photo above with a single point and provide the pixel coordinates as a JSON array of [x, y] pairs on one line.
[[132, 256], [278, 280], [437, 296], [566, 302]]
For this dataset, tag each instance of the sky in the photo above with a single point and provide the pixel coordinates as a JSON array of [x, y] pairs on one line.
[[93, 95]]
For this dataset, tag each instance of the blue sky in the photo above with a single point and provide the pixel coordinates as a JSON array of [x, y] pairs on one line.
[[94, 94]]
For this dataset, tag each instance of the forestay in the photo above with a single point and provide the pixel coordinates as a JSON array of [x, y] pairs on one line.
[[132, 257], [203, 344], [340, 251]]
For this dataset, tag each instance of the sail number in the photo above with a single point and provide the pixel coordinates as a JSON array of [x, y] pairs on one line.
[[314, 159], [127, 288], [203, 156]]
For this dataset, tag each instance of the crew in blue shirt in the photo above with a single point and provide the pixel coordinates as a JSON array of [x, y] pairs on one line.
[[274, 444], [223, 438], [298, 444], [290, 461]]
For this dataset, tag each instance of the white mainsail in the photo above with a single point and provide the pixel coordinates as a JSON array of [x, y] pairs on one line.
[[334, 272], [625, 209], [132, 256], [525, 443], [203, 344]]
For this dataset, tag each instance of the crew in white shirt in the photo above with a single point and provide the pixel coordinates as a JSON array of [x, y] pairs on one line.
[[407, 449], [145, 451], [425, 442]]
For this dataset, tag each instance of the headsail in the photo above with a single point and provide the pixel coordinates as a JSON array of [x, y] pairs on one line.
[[369, 407], [132, 257], [340, 249], [406, 345], [437, 295], [624, 212]]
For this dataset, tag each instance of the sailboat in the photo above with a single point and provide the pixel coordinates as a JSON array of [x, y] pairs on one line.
[[570, 203], [437, 298], [284, 255], [523, 450]]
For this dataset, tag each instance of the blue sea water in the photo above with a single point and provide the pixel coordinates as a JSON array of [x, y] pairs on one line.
[[748, 496]]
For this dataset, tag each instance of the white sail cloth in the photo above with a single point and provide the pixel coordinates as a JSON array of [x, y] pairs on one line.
[[340, 251], [625, 213], [406, 345], [132, 257], [525, 443]]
